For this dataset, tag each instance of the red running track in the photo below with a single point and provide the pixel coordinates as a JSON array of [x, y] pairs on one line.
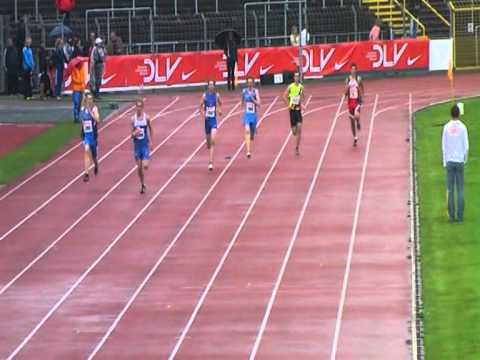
[[210, 265]]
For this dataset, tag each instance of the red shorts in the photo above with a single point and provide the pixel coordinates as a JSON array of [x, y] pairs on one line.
[[353, 105]]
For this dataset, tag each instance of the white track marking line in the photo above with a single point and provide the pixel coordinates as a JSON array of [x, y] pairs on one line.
[[93, 207], [53, 162], [343, 295], [296, 231], [230, 246], [71, 182], [172, 243], [109, 247]]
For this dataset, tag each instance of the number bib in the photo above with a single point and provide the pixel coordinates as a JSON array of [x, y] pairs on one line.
[[210, 111], [141, 134], [296, 100], [250, 108], [353, 92], [87, 126]]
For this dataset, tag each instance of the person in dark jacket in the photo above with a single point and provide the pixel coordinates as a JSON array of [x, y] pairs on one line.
[[59, 60], [28, 66], [231, 54], [97, 66], [43, 69], [10, 57]]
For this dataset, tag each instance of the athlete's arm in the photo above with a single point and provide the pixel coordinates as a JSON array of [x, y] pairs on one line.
[[219, 102], [150, 130], [302, 97], [346, 88], [361, 90], [285, 96], [258, 102], [202, 106]]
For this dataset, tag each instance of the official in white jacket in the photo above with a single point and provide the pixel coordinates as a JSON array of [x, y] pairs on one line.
[[455, 152]]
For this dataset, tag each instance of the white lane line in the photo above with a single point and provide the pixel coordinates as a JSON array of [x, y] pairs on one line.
[[50, 164], [93, 207], [71, 182], [343, 295], [172, 243], [296, 231], [229, 248], [109, 247]]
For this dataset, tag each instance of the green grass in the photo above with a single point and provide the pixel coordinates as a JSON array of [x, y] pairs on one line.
[[40, 149], [450, 252]]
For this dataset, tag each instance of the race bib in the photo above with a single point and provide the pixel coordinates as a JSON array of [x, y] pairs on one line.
[[353, 92], [210, 111], [141, 133], [250, 108], [87, 126], [296, 100]]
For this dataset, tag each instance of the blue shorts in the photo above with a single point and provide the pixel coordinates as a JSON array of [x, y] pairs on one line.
[[210, 123], [142, 152], [250, 121], [89, 140]]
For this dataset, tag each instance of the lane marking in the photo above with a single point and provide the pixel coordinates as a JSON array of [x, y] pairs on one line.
[[71, 182], [73, 148], [230, 246], [351, 247], [109, 247], [89, 210], [173, 242], [296, 231]]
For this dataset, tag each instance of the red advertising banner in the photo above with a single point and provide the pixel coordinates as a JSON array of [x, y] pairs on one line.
[[188, 68]]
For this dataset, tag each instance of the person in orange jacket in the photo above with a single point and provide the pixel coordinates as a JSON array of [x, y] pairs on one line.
[[78, 87]]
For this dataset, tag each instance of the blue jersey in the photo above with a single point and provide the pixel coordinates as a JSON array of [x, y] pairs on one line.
[[89, 125], [250, 110], [210, 104], [141, 123]]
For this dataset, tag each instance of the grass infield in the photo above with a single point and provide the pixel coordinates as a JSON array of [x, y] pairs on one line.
[[450, 252]]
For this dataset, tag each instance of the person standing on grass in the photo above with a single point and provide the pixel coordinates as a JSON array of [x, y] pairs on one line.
[[294, 97], [28, 66], [251, 102], [210, 105], [142, 135], [90, 119], [455, 153], [97, 66], [10, 64]]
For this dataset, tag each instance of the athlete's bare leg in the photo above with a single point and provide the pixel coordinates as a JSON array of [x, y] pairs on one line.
[[299, 138], [248, 140]]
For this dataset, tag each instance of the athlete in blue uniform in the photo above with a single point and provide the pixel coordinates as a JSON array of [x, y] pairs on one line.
[[210, 106], [251, 102], [90, 118], [142, 135]]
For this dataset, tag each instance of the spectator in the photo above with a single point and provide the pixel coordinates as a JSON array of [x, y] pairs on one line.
[[28, 66], [455, 152], [304, 37], [43, 69], [10, 58], [231, 54], [59, 60], [68, 50], [97, 60], [115, 47], [375, 31], [91, 44], [294, 37], [78, 87], [77, 47]]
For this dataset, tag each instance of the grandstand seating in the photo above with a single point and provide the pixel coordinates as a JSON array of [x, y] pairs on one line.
[[435, 27]]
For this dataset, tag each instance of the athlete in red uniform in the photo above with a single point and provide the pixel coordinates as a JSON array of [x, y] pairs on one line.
[[354, 93]]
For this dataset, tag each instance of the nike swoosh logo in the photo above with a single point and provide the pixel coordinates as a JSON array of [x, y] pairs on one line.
[[264, 71], [188, 75], [410, 61], [339, 66], [107, 80]]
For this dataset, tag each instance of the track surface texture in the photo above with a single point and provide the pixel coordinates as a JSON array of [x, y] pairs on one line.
[[274, 257]]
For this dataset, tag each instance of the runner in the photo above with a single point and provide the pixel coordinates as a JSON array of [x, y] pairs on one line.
[[142, 135], [250, 100], [354, 93], [90, 119], [209, 103], [294, 97]]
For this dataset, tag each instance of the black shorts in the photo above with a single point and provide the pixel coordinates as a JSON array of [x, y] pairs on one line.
[[295, 117]]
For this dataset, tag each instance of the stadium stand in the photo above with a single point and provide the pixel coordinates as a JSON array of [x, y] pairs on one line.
[[436, 28]]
